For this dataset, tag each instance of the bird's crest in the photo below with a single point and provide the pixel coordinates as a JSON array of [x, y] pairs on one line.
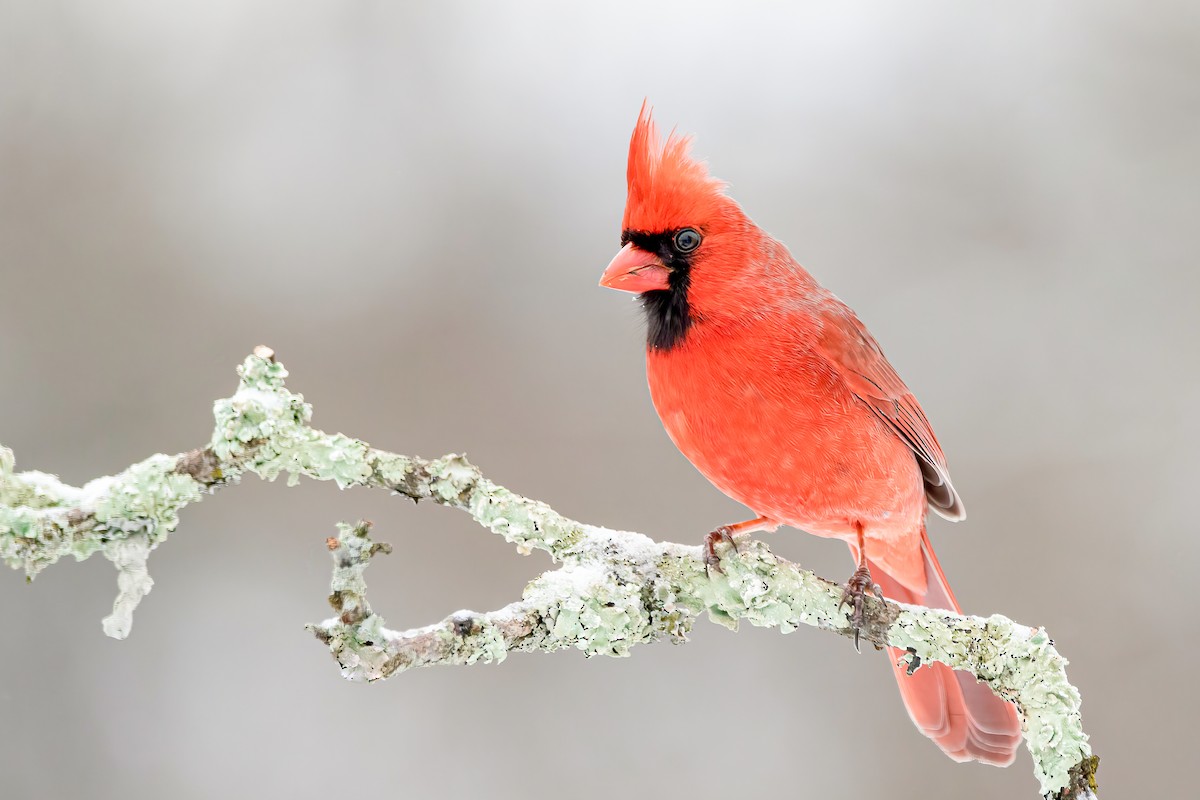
[[668, 188]]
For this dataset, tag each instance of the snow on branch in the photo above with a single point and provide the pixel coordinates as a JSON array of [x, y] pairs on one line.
[[613, 590]]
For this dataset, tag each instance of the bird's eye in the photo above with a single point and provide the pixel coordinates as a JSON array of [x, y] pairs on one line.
[[687, 240]]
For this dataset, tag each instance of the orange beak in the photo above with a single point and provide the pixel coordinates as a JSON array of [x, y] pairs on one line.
[[635, 270]]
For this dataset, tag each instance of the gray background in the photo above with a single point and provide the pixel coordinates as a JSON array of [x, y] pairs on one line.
[[413, 207]]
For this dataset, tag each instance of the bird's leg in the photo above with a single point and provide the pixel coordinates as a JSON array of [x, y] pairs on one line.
[[725, 534], [858, 586]]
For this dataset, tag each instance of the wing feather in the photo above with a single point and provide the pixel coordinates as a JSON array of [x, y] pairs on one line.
[[847, 344]]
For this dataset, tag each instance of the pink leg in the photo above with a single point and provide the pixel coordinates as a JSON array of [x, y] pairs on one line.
[[725, 534], [858, 586]]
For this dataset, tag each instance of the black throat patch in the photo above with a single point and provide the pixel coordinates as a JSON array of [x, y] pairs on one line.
[[668, 315]]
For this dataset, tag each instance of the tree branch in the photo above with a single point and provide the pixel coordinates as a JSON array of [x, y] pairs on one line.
[[613, 589]]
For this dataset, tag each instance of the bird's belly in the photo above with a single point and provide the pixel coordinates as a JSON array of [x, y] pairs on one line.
[[795, 447]]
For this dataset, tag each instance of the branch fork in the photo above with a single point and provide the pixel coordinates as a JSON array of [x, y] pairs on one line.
[[611, 590]]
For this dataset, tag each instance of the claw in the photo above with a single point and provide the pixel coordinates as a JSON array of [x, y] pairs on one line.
[[722, 534], [856, 589]]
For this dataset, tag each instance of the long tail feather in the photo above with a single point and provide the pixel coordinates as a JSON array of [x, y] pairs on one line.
[[962, 716]]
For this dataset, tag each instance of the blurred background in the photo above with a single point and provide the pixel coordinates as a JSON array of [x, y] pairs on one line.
[[412, 205]]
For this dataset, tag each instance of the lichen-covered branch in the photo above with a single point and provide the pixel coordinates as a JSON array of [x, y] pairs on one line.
[[611, 591], [263, 429]]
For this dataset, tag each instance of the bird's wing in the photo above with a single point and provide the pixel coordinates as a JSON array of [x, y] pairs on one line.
[[847, 345]]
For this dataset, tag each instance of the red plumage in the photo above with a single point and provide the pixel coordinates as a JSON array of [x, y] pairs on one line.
[[779, 395]]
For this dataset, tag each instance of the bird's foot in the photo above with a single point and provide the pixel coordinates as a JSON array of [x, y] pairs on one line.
[[856, 589], [722, 534]]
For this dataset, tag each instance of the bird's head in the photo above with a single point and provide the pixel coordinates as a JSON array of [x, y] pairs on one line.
[[682, 237]]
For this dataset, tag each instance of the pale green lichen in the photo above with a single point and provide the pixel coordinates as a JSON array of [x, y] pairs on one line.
[[357, 636], [1021, 665], [84, 547], [330, 457], [263, 429], [20, 532], [391, 469], [593, 603], [350, 558], [33, 489], [613, 591], [146, 497], [266, 427], [472, 639], [528, 524], [1049, 703], [591, 610], [490, 645], [766, 592], [452, 477]]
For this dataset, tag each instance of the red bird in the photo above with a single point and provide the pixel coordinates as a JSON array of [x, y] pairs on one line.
[[779, 395]]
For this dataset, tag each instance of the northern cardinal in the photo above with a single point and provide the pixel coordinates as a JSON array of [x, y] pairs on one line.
[[779, 395]]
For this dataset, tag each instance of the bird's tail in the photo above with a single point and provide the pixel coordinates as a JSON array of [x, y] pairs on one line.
[[962, 716]]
